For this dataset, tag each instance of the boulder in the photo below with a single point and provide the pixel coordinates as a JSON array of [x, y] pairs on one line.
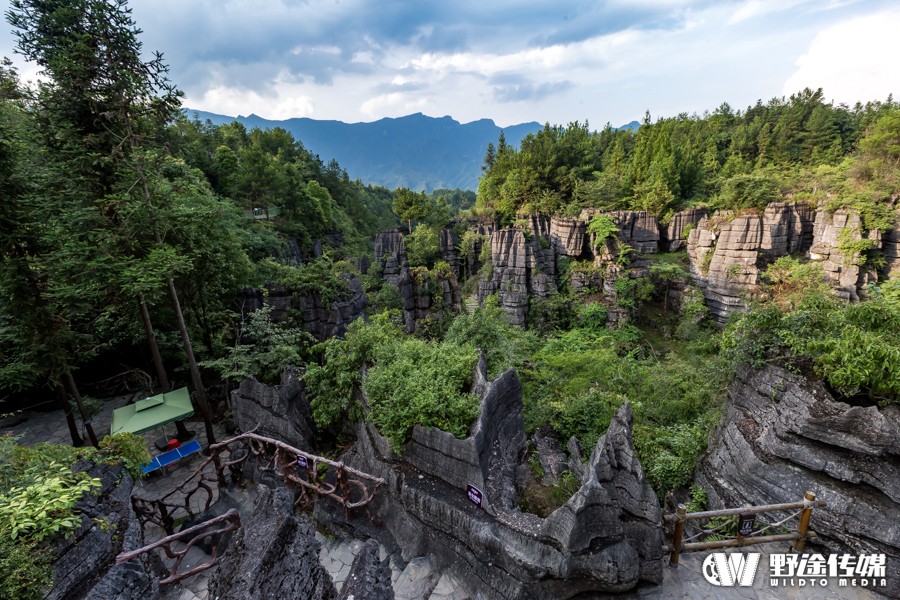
[[281, 412], [783, 434], [843, 271], [273, 555]]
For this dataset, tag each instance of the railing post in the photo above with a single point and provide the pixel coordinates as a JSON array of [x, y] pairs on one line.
[[680, 516], [809, 501]]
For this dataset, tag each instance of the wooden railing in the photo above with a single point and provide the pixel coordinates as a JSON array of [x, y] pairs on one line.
[[313, 474], [231, 522], [745, 532]]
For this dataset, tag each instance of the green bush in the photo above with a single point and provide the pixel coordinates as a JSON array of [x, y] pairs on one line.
[[130, 448], [25, 572], [603, 227], [422, 383], [422, 246]]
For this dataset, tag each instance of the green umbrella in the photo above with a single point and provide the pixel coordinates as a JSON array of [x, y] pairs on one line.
[[153, 412]]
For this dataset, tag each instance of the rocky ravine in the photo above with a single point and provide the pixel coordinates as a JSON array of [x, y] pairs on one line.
[[606, 538], [783, 435]]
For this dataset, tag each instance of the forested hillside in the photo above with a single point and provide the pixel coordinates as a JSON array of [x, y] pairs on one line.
[[800, 148]]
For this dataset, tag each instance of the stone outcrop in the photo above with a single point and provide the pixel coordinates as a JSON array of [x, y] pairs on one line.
[[85, 564], [728, 252], [320, 319], [890, 247], [637, 228], [783, 435], [423, 295], [281, 412], [606, 538], [674, 235], [567, 235], [273, 555], [369, 577], [842, 269], [520, 268]]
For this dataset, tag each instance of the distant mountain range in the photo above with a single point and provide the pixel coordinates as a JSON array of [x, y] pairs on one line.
[[415, 151]]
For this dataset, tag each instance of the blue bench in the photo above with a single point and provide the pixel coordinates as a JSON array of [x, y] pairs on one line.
[[167, 458]]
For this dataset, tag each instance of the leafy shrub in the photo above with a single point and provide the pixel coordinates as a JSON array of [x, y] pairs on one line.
[[25, 572], [422, 246], [603, 227], [421, 383], [130, 448]]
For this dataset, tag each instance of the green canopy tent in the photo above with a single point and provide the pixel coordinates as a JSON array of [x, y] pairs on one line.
[[153, 412]]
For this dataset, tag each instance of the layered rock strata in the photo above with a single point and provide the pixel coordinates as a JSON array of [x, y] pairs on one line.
[[783, 435], [606, 538], [728, 252], [273, 555], [568, 237], [281, 412], [674, 235], [832, 233], [637, 228]]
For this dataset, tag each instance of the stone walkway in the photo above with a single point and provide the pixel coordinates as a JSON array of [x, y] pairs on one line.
[[416, 579]]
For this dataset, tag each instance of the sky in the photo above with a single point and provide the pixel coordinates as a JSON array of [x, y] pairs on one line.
[[513, 62]]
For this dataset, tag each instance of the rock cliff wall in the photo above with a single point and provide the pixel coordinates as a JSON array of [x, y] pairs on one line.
[[85, 564], [281, 412], [783, 435], [424, 295], [606, 538], [674, 235]]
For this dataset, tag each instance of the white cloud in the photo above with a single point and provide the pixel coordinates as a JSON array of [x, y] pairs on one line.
[[852, 61], [285, 103], [393, 104]]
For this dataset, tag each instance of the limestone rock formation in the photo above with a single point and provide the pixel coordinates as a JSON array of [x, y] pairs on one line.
[[423, 295], [783, 435], [728, 252], [369, 577], [843, 270], [607, 538], [281, 412], [520, 268], [674, 235], [638, 228], [273, 555], [567, 235], [85, 564], [321, 320]]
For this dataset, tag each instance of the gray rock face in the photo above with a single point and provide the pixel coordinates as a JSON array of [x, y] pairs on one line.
[[567, 235], [273, 555], [423, 297], [843, 271], [84, 566], [673, 236], [520, 268], [729, 252], [369, 577], [637, 228], [890, 248], [783, 435], [606, 538], [281, 412]]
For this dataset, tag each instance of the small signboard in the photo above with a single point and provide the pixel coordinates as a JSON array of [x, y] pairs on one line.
[[745, 524], [302, 463], [475, 495]]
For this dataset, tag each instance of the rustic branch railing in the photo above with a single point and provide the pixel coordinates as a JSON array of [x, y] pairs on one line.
[[195, 534], [345, 485], [745, 515]]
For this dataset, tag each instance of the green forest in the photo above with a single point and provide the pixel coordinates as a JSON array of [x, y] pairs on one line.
[[127, 232]]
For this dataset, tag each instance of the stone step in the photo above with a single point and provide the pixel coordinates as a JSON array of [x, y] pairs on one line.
[[337, 557]]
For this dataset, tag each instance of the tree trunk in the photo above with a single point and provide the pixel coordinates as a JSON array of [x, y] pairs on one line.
[[199, 390], [70, 418], [86, 421], [164, 384]]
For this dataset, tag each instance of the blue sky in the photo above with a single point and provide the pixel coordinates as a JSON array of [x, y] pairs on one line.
[[560, 61]]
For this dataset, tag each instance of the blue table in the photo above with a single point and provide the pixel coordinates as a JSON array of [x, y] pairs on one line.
[[167, 458]]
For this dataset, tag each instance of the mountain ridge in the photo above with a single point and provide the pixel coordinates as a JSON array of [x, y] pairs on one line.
[[415, 151]]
